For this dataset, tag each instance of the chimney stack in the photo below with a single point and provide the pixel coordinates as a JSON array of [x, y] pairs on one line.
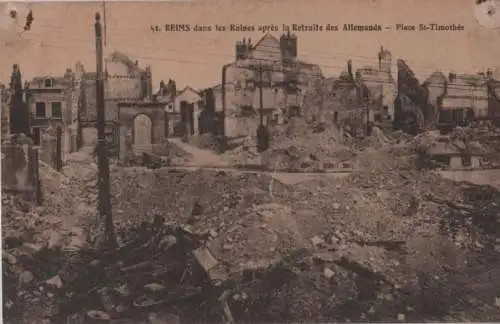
[[349, 69], [489, 74], [149, 82]]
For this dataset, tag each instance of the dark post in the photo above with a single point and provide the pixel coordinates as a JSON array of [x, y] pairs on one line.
[[368, 125], [58, 148], [262, 131], [261, 97], [224, 72], [103, 163]]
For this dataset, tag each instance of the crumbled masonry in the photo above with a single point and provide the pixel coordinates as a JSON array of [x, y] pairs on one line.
[[382, 244]]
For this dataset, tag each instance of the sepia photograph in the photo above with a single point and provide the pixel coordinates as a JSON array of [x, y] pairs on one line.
[[267, 161]]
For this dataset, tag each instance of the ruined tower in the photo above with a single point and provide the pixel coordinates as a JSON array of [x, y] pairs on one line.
[[384, 60], [288, 45]]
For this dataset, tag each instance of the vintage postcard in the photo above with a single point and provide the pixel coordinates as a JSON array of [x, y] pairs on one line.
[[262, 161]]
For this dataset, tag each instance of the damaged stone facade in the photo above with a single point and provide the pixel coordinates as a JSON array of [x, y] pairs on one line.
[[142, 126], [285, 80], [50, 103], [125, 81]]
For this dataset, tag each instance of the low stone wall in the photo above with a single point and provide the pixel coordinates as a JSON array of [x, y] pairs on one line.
[[20, 167]]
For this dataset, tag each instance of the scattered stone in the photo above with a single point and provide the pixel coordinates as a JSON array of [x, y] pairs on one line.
[[328, 273], [107, 299], [227, 247], [121, 308], [77, 231], [371, 310], [55, 240], [25, 278], [479, 245], [316, 241], [13, 239], [401, 317], [213, 233], [9, 258], [123, 290], [55, 281], [98, 315], [31, 248], [154, 287], [77, 242], [164, 318], [324, 257], [168, 241], [205, 258], [336, 206]]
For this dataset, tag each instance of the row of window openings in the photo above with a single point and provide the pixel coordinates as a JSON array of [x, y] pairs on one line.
[[238, 85], [55, 107]]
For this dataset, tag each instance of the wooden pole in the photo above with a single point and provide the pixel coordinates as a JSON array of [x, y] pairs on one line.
[[104, 23], [261, 97], [102, 154], [224, 72]]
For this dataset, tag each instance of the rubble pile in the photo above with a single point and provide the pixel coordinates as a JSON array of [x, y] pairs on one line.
[[243, 152], [302, 145], [147, 160], [163, 270], [379, 138], [382, 244], [483, 138], [172, 152], [140, 193], [218, 144], [163, 155], [391, 204], [33, 236], [296, 145], [56, 213]]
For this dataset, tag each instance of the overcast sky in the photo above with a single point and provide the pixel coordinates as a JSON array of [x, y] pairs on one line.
[[62, 34]]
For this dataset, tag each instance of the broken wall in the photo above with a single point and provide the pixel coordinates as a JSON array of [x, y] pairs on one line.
[[19, 166]]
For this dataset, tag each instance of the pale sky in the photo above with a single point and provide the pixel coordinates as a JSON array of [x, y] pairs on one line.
[[63, 34]]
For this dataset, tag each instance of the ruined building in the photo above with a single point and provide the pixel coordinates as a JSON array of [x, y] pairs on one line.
[[124, 81], [366, 95], [412, 113], [381, 85], [285, 79]]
